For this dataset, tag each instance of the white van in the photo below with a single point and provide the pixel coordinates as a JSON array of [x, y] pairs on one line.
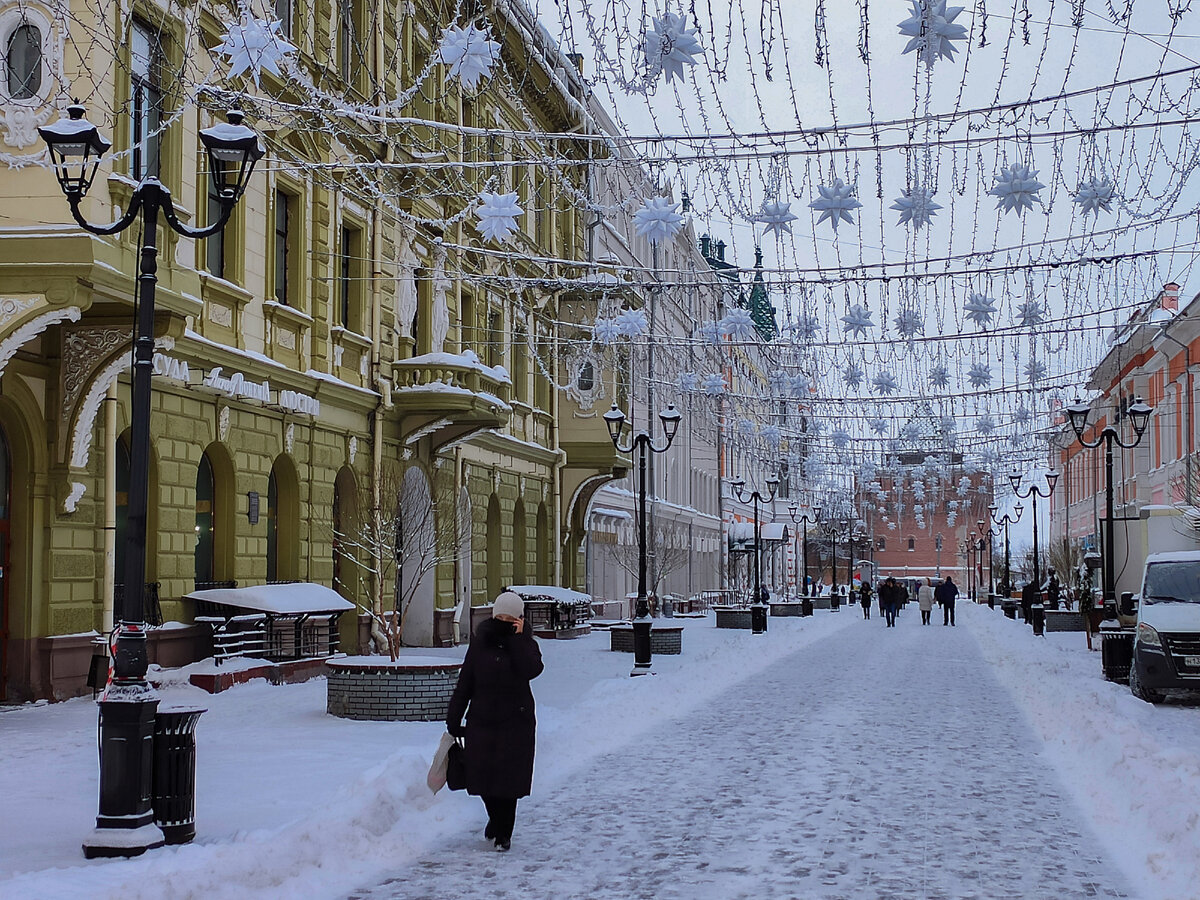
[[1166, 642]]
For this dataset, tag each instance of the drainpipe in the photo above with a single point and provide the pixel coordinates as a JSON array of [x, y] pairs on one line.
[[110, 506]]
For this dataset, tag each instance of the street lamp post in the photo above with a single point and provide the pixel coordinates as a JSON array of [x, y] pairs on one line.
[[812, 514], [984, 527], [758, 607], [1032, 492], [644, 445], [979, 569], [1006, 520], [1139, 415], [125, 823]]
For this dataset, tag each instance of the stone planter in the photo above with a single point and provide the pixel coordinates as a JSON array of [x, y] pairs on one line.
[[787, 609], [412, 689], [728, 617], [1062, 620], [665, 640]]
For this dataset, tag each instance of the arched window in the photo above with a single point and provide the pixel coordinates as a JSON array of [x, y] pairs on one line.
[[23, 61], [519, 550], [882, 545], [205, 511], [912, 544], [494, 550]]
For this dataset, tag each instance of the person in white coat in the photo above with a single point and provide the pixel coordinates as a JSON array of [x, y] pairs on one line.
[[925, 601]]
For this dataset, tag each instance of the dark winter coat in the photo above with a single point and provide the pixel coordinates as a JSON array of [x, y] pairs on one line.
[[890, 595], [493, 692], [945, 593]]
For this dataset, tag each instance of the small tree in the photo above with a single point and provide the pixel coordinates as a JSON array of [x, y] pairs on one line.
[[1066, 556], [670, 554], [394, 547]]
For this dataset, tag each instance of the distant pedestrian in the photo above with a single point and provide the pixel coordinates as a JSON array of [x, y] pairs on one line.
[[864, 597], [946, 593], [493, 693], [1053, 590], [890, 593], [1029, 596], [925, 601]]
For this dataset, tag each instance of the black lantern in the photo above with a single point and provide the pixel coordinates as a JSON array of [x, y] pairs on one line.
[[233, 149], [1139, 412], [615, 420], [1078, 414], [670, 421], [76, 146]]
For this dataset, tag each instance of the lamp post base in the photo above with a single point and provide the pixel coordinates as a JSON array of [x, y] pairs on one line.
[[758, 618], [641, 645], [110, 842]]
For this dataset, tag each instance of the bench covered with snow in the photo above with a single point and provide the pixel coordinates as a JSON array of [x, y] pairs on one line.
[[553, 611], [276, 621]]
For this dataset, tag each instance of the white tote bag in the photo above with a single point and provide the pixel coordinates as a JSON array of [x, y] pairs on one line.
[[436, 779]]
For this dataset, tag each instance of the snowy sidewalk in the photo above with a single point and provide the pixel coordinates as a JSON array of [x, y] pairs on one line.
[[873, 763]]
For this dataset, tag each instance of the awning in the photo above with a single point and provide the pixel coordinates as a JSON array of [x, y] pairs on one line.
[[281, 599], [774, 531]]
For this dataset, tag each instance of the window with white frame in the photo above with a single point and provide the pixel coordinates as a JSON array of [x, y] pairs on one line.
[[146, 66]]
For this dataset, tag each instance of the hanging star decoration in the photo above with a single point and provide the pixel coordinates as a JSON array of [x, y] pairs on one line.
[[657, 220], [1094, 195], [670, 45], [939, 376], [497, 214], [807, 327], [947, 425], [688, 382], [253, 45], [469, 52], [746, 428], [606, 331], [852, 375], [1031, 314], [1016, 189], [777, 217], [836, 203], [885, 383], [800, 386], [985, 424], [916, 207], [814, 468], [879, 426], [840, 438], [932, 30], [980, 375], [858, 320], [710, 333], [1035, 371], [713, 385], [771, 435], [980, 309], [911, 432], [909, 323], [738, 325], [1022, 415], [633, 322]]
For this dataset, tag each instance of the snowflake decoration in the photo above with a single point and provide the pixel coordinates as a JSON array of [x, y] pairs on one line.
[[777, 217], [911, 432], [807, 327], [772, 435], [885, 383], [909, 323], [980, 309], [497, 215], [1016, 189], [891, 526], [253, 45], [469, 52], [1035, 371], [985, 425], [932, 30], [606, 331], [657, 220], [879, 426], [633, 322], [799, 386], [778, 380], [853, 375], [858, 320], [1030, 314], [688, 382], [738, 325], [710, 333], [746, 428], [980, 375], [939, 376], [836, 203], [841, 438], [713, 385], [814, 468], [1022, 415], [916, 207], [670, 45], [1094, 195]]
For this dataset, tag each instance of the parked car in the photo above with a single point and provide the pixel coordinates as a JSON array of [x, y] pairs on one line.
[[1166, 641]]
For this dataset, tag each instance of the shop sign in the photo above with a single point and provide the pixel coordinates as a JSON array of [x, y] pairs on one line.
[[169, 367], [236, 385], [296, 402]]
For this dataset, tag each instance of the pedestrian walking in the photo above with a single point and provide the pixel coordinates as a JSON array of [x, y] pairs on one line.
[[945, 595], [1029, 596], [493, 693], [864, 597], [925, 601], [889, 593], [1053, 590]]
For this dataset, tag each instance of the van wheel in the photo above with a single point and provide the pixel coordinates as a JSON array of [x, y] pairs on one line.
[[1140, 691]]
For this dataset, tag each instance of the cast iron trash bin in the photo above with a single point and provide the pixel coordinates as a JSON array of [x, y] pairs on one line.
[[1037, 618], [175, 772], [1116, 651]]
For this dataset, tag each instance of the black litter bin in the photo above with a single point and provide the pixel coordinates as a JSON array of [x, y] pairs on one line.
[[835, 602], [1010, 608], [1037, 618], [991, 601], [1116, 651], [806, 607], [175, 773], [758, 618]]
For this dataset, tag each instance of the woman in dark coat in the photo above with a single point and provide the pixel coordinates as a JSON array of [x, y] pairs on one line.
[[493, 692]]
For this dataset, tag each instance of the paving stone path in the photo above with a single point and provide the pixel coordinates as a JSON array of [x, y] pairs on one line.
[[877, 763]]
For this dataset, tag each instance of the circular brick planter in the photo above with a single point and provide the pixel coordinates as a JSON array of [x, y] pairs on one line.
[[412, 689], [665, 640], [733, 618]]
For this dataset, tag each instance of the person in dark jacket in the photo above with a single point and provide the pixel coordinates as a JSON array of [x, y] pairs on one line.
[[1029, 596], [493, 692], [889, 596], [864, 597], [945, 595]]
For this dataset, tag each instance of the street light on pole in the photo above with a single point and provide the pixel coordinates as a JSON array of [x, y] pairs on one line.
[[125, 824], [1032, 492], [758, 607], [644, 445], [1139, 414], [1007, 519], [985, 527]]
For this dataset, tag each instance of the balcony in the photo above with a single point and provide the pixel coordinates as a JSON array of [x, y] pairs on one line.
[[448, 397]]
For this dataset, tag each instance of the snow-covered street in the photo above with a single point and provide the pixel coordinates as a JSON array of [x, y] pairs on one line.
[[831, 757]]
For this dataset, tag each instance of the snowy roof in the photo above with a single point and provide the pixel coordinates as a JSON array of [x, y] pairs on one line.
[[611, 513], [548, 592], [302, 597]]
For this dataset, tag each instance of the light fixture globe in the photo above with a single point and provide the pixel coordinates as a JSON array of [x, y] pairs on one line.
[[76, 146], [1078, 414], [233, 149], [670, 421], [1139, 412], [615, 420], [1051, 480], [1014, 479]]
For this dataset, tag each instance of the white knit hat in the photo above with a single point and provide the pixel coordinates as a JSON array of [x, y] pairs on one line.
[[509, 604]]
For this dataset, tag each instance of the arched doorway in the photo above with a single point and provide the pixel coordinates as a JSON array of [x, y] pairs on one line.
[[5, 556], [345, 526], [214, 521], [419, 551], [283, 521], [495, 576], [519, 550]]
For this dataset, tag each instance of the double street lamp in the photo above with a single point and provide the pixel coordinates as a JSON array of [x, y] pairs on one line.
[[758, 606], [810, 514], [1032, 492], [1139, 416], [644, 445], [1005, 520], [125, 824]]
